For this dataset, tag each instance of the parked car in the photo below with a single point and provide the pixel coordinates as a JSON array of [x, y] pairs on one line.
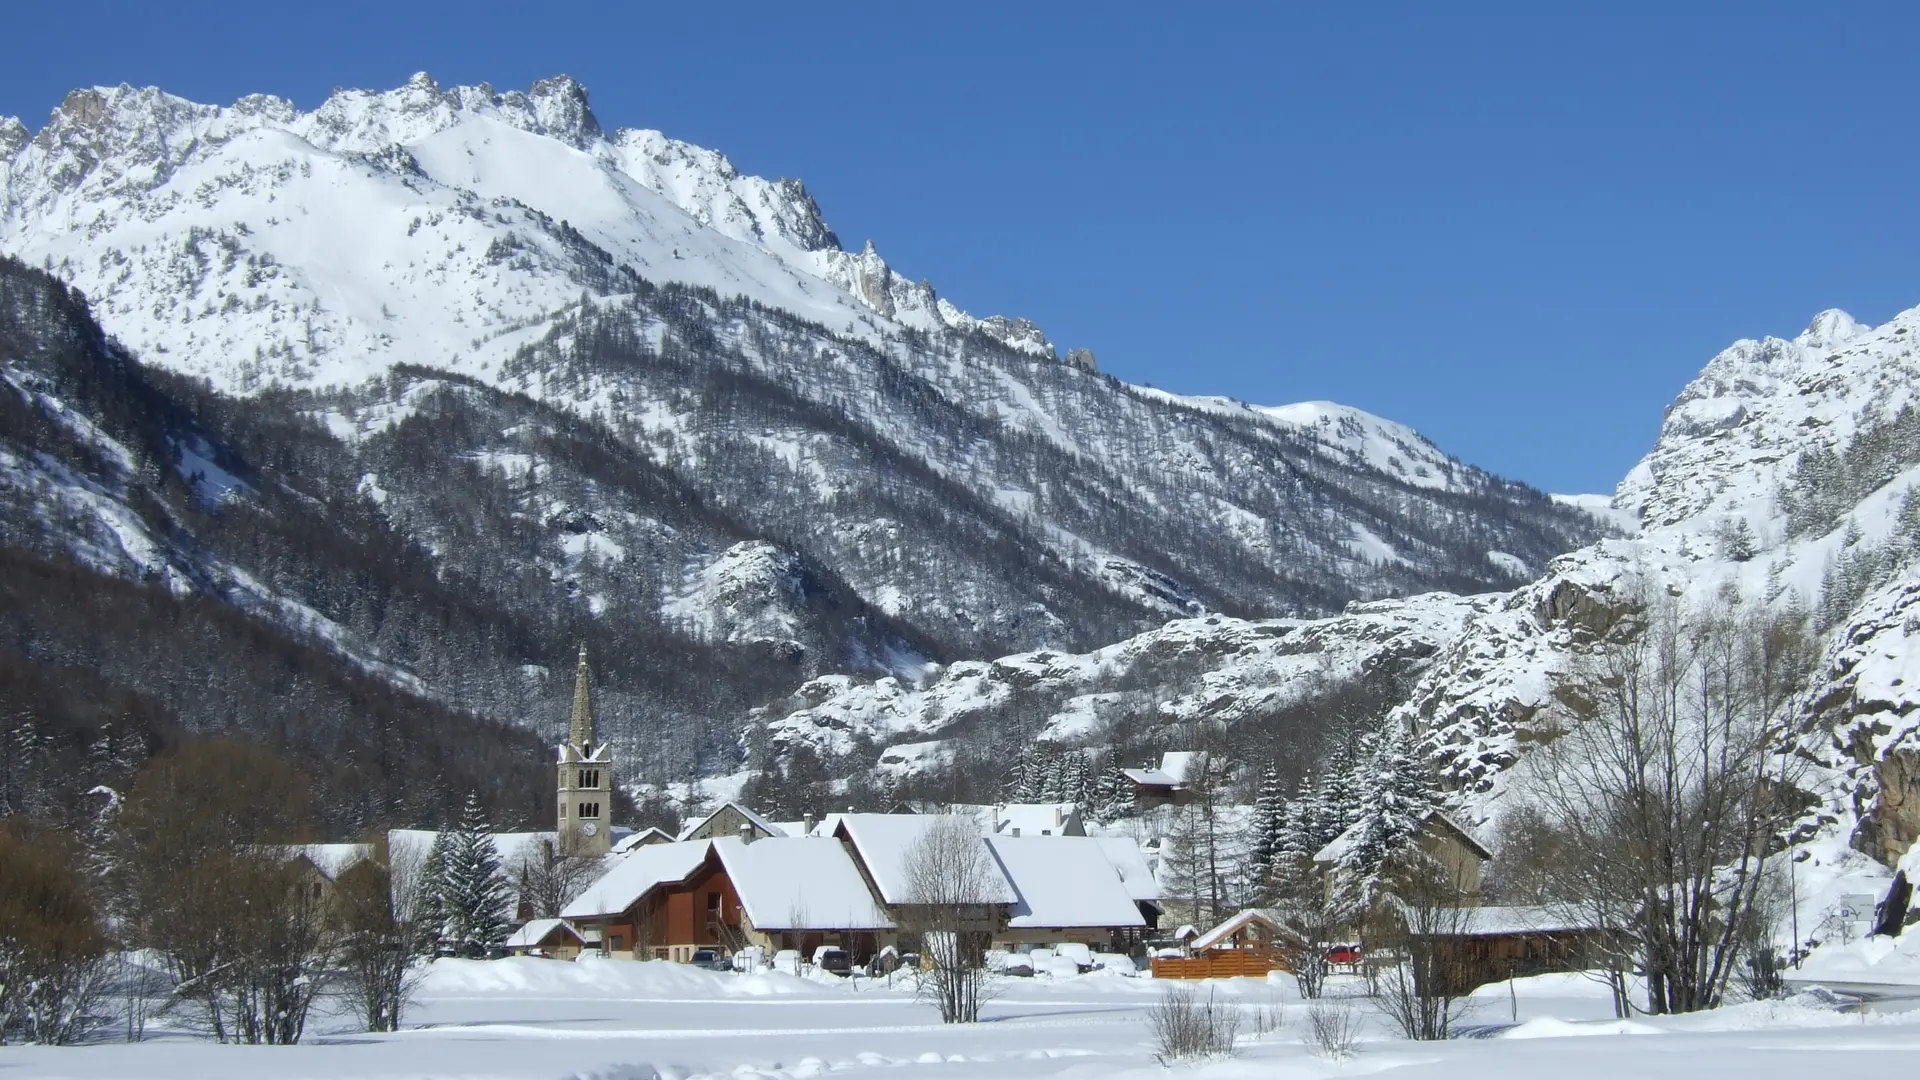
[[787, 960], [1344, 955], [833, 959], [711, 959], [1076, 952]]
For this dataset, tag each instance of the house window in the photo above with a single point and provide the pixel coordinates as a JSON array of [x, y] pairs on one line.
[[589, 778]]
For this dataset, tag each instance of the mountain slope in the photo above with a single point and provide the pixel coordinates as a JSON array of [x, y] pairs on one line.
[[951, 470]]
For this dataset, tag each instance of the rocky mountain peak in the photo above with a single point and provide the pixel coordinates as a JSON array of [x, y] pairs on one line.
[[1830, 329], [13, 136]]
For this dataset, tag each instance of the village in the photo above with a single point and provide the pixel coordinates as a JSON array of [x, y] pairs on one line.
[[1042, 890]]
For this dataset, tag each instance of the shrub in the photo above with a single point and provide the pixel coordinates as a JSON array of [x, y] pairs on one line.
[[1185, 1027]]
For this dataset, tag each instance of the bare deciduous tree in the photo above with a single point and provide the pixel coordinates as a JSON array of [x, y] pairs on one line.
[[1415, 945], [379, 905], [550, 878], [1667, 780], [953, 904]]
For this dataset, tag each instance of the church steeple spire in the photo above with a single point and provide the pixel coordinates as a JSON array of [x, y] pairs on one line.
[[580, 730]]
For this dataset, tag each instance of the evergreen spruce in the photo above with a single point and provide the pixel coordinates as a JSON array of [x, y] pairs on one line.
[[476, 894], [1397, 795], [432, 924], [1112, 797], [1268, 828]]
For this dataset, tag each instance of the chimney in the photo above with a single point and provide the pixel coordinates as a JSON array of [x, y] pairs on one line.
[[806, 825], [1059, 818], [746, 833], [1015, 833]]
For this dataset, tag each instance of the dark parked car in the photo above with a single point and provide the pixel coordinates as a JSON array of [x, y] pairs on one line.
[[711, 959], [833, 960]]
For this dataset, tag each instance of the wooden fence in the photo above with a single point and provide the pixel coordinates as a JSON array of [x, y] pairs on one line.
[[1223, 964]]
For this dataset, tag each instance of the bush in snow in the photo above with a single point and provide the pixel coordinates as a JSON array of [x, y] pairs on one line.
[[1186, 1027]]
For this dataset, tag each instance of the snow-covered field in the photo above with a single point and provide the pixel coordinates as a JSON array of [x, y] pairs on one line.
[[616, 1020]]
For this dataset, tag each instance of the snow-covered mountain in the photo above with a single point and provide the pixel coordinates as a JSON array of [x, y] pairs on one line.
[[1783, 475], [953, 471], [255, 243]]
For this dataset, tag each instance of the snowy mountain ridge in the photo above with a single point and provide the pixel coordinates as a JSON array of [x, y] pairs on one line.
[[202, 229]]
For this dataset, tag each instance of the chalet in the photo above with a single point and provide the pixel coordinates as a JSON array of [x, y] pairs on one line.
[[1162, 784], [882, 847], [1479, 945], [1065, 889], [665, 901], [1248, 944], [660, 901], [1441, 838], [546, 937]]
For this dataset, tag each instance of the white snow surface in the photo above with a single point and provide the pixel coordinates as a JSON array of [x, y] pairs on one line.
[[533, 1019]]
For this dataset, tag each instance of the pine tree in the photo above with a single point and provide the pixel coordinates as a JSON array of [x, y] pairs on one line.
[[1112, 797], [432, 923], [1075, 784], [476, 894], [1268, 836], [1397, 797]]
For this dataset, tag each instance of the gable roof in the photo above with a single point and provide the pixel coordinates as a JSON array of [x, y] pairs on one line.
[[649, 835], [1338, 847], [759, 822], [635, 874], [799, 883], [884, 844], [1248, 917], [1063, 881], [537, 930]]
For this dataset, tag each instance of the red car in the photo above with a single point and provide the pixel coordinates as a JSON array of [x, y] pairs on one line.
[[1344, 955]]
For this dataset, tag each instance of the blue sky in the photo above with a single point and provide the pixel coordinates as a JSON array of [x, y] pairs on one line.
[[1519, 232]]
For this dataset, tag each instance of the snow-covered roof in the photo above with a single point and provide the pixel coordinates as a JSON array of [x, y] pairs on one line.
[[1175, 763], [641, 838], [885, 842], [1035, 819], [634, 874], [799, 883], [1338, 847], [1131, 864], [1063, 881], [511, 846], [1171, 772], [759, 822], [536, 931], [1490, 921], [1241, 919]]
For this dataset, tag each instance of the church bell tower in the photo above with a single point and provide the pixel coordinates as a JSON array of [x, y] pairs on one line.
[[585, 787]]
